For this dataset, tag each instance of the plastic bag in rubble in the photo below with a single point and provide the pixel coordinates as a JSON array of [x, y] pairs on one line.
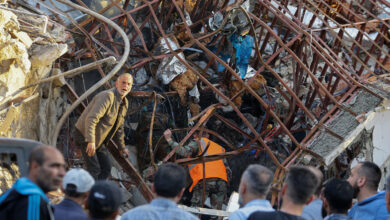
[[216, 21], [243, 46], [170, 67]]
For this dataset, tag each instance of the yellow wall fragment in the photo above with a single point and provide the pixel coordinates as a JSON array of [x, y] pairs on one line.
[[6, 124], [23, 37]]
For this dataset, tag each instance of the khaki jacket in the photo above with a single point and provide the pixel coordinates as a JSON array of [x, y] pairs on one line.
[[97, 120]]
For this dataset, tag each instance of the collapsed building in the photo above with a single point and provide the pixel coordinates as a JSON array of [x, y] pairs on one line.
[[274, 82]]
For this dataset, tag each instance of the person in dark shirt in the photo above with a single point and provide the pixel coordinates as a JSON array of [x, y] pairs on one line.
[[103, 201], [27, 198], [297, 190], [77, 183], [337, 199]]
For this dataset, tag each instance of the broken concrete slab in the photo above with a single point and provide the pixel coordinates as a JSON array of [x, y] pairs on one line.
[[43, 55]]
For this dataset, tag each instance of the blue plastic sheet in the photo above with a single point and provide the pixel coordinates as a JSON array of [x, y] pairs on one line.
[[243, 46]]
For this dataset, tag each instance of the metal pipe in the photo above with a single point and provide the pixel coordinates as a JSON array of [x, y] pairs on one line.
[[104, 79]]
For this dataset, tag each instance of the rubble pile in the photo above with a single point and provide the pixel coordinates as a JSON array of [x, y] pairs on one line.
[[274, 82], [30, 44]]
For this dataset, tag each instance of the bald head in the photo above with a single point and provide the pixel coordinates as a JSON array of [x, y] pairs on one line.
[[128, 75], [39, 154], [46, 167], [124, 83], [258, 179]]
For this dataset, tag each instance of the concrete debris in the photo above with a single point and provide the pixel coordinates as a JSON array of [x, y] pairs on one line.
[[43, 55], [24, 60]]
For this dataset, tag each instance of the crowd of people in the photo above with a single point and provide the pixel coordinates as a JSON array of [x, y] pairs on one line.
[[303, 195]]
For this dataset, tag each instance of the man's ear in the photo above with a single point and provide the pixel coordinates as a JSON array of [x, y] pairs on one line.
[[325, 205], [33, 168], [181, 193], [86, 204], [242, 188], [34, 165], [113, 216], [310, 199], [361, 181], [284, 189], [85, 196]]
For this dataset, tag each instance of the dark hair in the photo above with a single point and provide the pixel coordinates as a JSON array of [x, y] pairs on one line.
[[71, 191], [259, 179], [169, 180], [37, 155], [388, 183], [339, 194], [301, 184], [372, 173], [104, 199]]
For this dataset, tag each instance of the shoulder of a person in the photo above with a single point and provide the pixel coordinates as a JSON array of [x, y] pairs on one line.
[[16, 197], [191, 216], [138, 209], [106, 93]]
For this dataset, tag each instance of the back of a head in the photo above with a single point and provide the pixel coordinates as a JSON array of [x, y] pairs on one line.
[[301, 183], [169, 180], [339, 194], [372, 173], [104, 199], [258, 179], [317, 172]]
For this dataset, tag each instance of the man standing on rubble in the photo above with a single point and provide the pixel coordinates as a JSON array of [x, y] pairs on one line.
[[215, 171], [102, 120]]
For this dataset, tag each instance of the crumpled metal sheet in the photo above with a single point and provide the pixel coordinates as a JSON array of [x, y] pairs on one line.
[[170, 67], [194, 92]]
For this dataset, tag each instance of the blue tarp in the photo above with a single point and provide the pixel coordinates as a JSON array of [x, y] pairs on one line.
[[243, 46]]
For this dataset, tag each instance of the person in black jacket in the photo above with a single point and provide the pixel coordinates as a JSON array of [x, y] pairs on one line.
[[27, 197]]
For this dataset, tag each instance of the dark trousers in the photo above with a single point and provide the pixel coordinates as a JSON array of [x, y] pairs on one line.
[[99, 165]]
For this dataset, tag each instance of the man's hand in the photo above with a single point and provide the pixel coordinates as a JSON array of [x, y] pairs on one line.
[[125, 153], [91, 148], [168, 135]]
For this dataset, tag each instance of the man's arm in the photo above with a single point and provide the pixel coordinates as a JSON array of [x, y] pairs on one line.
[[99, 107], [184, 151], [119, 138], [101, 103]]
